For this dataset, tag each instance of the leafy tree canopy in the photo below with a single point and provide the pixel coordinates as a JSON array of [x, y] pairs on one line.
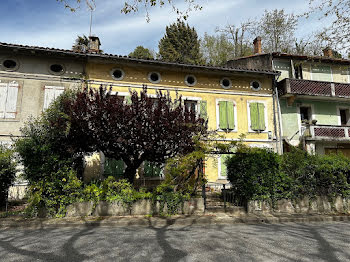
[[143, 129], [142, 52], [337, 33], [180, 44]]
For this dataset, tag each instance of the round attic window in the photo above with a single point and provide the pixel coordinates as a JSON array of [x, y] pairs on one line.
[[154, 77], [10, 64], [56, 69], [226, 83], [255, 85], [118, 74], [190, 80]]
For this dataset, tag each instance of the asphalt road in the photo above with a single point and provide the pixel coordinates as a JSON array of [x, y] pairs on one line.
[[238, 242]]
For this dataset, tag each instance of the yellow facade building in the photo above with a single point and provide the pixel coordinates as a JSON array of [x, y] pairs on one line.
[[237, 101]]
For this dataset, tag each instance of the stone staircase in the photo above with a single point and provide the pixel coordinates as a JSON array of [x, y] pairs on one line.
[[216, 205]]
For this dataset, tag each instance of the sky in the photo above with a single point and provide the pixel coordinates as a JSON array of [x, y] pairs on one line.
[[47, 23]]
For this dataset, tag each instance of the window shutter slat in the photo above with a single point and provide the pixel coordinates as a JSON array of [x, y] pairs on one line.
[[254, 116], [51, 93], [49, 97], [11, 100], [3, 95], [203, 109], [223, 115], [231, 115], [261, 109]]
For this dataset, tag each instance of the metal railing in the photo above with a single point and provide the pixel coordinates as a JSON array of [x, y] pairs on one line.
[[229, 196], [328, 132]]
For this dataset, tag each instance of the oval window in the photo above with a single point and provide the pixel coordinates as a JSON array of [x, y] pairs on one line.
[[255, 85], [9, 64], [154, 77], [190, 80], [56, 69], [118, 74], [226, 83]]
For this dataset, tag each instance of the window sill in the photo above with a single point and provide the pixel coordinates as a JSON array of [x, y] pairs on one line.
[[227, 132], [9, 120]]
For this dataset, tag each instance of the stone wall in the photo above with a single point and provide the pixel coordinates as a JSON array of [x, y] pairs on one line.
[[306, 205], [194, 206]]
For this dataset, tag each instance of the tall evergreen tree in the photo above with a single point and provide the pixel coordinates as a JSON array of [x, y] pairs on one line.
[[180, 44]]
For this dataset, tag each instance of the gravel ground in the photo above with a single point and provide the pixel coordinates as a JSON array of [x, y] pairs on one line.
[[238, 242]]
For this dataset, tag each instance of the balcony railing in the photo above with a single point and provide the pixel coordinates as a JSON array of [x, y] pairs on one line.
[[313, 88], [328, 132]]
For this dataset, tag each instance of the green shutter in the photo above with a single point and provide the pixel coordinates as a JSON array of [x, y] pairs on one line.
[[128, 100], [254, 116], [151, 170], [231, 115], [261, 110], [113, 167], [203, 110], [223, 115], [257, 116]]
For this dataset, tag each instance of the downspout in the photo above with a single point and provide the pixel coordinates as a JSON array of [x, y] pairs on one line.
[[279, 116], [274, 114], [279, 142]]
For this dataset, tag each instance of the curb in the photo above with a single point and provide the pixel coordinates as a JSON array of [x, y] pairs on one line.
[[162, 222]]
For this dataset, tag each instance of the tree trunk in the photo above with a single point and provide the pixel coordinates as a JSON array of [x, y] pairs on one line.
[[130, 172]]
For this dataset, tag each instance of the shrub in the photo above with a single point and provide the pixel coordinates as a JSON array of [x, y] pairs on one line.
[[260, 174], [253, 172], [333, 175], [166, 195], [7, 173], [51, 196], [300, 168]]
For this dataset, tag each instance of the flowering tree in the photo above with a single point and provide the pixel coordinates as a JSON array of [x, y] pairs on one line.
[[135, 129]]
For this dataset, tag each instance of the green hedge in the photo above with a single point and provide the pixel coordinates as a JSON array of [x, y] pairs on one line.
[[7, 173], [261, 174]]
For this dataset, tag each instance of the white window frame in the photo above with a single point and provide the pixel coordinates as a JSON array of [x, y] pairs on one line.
[[265, 116], [218, 115], [338, 113], [298, 113]]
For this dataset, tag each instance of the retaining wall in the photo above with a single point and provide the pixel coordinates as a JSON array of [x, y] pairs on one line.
[[194, 206], [321, 204]]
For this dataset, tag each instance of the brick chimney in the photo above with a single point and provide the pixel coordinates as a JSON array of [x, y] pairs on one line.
[[257, 45], [94, 44], [328, 52]]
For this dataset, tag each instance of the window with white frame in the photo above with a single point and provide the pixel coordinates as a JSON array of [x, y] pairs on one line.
[[8, 99], [51, 93], [257, 116], [227, 115], [191, 105]]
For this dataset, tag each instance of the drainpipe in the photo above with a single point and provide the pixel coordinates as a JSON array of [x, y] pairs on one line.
[[279, 116], [274, 114]]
